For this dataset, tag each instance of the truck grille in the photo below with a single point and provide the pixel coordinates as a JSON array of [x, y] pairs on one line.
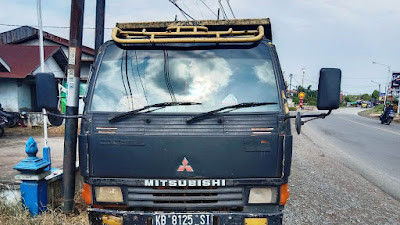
[[188, 198]]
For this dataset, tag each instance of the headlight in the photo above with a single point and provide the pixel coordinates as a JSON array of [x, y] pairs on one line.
[[263, 195], [108, 194]]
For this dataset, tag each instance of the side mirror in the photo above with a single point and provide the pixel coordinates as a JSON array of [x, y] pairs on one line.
[[329, 89], [46, 91], [46, 95]]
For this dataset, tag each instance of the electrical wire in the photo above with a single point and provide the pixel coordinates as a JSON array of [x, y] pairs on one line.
[[233, 14], [166, 75], [140, 78], [50, 26], [182, 11], [222, 9], [209, 8]]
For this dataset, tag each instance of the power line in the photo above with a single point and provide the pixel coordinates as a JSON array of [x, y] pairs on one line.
[[222, 9], [57, 27], [208, 8], [182, 11], [233, 14], [198, 7]]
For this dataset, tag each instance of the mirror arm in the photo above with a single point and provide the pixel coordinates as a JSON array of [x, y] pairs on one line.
[[64, 116], [317, 116]]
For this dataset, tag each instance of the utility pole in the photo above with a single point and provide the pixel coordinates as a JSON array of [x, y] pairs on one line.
[[386, 87], [304, 74], [100, 14], [377, 84], [290, 82], [71, 124]]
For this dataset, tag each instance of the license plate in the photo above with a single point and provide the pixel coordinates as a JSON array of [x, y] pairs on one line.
[[183, 219]]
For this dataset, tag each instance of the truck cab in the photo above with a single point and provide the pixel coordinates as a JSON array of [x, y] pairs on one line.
[[188, 123]]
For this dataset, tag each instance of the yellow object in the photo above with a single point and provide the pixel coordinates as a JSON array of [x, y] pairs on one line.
[[284, 195], [186, 34], [256, 221], [112, 220], [108, 194], [302, 95], [286, 107]]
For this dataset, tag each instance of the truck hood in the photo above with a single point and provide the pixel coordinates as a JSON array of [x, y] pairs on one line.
[[167, 148]]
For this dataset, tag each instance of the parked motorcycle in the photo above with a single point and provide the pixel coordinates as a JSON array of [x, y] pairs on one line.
[[3, 122], [387, 117], [13, 118]]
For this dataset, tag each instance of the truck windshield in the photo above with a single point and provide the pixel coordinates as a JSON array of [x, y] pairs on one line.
[[131, 79]]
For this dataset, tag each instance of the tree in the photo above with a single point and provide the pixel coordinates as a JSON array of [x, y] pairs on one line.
[[366, 97], [375, 94]]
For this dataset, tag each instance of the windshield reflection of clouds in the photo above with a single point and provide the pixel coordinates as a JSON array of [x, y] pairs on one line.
[[216, 78]]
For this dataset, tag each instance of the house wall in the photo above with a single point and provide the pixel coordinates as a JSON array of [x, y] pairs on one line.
[[24, 97], [9, 94], [50, 65], [85, 66]]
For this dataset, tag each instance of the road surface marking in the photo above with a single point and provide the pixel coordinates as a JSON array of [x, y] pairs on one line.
[[369, 126]]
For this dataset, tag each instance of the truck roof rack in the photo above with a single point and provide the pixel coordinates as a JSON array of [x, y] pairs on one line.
[[200, 31]]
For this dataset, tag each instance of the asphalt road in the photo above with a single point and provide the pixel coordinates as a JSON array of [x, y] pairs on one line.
[[362, 144]]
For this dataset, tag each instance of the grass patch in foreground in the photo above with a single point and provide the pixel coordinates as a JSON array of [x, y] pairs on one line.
[[17, 215]]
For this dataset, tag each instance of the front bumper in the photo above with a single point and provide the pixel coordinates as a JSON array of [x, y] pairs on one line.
[[145, 218]]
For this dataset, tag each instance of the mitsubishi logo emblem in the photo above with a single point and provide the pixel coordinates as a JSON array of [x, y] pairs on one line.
[[185, 166]]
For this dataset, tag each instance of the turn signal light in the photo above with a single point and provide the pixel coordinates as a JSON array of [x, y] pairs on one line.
[[284, 194], [87, 193]]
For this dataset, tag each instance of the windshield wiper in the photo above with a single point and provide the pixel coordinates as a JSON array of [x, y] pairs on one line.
[[158, 105], [233, 107]]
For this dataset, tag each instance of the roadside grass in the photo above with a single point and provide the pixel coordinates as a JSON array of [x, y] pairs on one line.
[[16, 214], [369, 112], [35, 131]]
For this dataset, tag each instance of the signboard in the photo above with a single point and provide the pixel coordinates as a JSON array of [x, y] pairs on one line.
[[396, 80], [301, 97]]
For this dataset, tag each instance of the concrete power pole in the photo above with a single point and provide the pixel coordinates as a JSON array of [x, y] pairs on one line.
[[304, 74], [71, 124], [290, 82], [100, 14]]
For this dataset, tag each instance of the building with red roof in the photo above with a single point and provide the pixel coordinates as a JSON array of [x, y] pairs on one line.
[[20, 61]]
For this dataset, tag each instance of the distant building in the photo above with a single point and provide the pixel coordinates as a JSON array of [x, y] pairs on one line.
[[19, 62]]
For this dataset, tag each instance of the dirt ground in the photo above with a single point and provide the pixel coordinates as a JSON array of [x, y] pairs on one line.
[[12, 151]]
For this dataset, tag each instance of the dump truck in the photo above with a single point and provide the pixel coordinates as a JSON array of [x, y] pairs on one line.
[[187, 123]]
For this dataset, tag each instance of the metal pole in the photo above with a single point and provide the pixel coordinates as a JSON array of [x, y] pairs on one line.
[[71, 125], [100, 14], [41, 52], [290, 84]]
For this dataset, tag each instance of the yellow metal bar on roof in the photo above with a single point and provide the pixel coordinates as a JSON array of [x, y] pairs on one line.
[[199, 34]]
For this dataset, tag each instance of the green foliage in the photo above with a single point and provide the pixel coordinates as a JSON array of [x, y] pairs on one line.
[[375, 94], [366, 97], [292, 109], [309, 99], [296, 99]]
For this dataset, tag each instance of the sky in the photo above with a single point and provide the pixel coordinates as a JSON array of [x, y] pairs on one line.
[[309, 34]]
